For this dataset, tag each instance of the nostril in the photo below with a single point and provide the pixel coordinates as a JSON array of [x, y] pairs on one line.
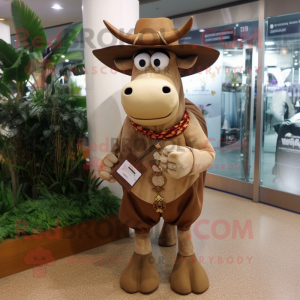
[[166, 90], [128, 91]]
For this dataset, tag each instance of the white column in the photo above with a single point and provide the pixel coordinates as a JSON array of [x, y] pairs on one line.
[[5, 31], [105, 112]]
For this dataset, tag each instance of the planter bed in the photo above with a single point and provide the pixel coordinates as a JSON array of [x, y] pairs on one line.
[[61, 242]]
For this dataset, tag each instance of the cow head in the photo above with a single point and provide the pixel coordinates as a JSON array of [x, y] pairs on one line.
[[154, 97]]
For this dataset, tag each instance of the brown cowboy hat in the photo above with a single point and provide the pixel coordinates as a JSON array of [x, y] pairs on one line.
[[156, 33]]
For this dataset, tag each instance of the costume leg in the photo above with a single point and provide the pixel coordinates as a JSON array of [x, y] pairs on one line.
[[188, 275], [167, 235], [141, 274]]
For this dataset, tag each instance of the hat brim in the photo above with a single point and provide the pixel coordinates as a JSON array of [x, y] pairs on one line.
[[206, 56]]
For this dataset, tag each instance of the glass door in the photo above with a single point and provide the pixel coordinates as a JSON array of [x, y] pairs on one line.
[[226, 95], [280, 161]]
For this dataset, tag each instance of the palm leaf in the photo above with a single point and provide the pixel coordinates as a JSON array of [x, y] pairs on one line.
[[76, 164], [19, 70], [62, 44], [8, 54], [27, 22]]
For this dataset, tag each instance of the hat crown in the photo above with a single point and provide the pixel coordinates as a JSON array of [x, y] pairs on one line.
[[155, 31], [152, 25]]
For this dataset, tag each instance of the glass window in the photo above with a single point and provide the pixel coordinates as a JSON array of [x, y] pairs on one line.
[[280, 164], [225, 93]]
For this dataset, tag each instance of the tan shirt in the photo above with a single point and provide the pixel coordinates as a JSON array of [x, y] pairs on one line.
[[195, 137]]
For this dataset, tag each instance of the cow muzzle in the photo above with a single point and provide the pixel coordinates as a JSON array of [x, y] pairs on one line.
[[150, 101]]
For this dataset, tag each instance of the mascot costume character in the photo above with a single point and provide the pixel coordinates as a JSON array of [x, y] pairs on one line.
[[167, 135]]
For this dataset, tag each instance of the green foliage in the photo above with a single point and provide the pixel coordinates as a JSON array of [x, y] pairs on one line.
[[8, 54], [4, 91], [75, 55], [40, 143], [19, 70], [67, 182], [61, 46], [6, 198], [69, 210], [4, 176], [17, 66], [77, 70], [28, 23], [42, 175], [74, 88]]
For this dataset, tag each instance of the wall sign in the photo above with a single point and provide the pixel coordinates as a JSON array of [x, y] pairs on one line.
[[217, 36], [284, 25]]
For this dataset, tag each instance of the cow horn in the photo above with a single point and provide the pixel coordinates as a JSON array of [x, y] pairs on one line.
[[151, 38]]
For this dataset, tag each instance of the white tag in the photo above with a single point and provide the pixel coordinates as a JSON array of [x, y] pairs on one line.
[[129, 172]]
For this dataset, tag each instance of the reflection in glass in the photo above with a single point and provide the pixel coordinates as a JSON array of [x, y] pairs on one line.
[[225, 93], [281, 127]]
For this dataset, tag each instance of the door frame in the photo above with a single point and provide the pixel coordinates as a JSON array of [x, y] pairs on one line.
[[210, 18]]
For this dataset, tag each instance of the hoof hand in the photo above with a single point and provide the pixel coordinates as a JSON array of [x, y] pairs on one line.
[[105, 167]]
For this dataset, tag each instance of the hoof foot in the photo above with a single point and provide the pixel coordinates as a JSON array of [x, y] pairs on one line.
[[140, 275], [188, 276]]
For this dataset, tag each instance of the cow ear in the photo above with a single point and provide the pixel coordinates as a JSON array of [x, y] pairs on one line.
[[124, 64], [186, 63]]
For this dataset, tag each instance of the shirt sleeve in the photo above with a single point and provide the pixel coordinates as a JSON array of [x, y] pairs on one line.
[[200, 146]]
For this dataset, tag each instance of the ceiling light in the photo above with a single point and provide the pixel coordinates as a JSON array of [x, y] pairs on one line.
[[63, 56], [2, 19], [66, 60], [296, 52], [269, 51], [202, 30], [236, 25], [229, 54], [225, 52], [240, 40], [269, 43], [56, 6], [296, 64]]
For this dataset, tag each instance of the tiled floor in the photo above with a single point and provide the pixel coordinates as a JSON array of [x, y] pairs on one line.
[[263, 266]]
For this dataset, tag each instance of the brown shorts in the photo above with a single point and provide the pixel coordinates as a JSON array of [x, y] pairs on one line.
[[182, 212]]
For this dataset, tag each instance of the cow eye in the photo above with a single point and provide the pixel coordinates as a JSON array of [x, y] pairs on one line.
[[159, 61], [142, 61]]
